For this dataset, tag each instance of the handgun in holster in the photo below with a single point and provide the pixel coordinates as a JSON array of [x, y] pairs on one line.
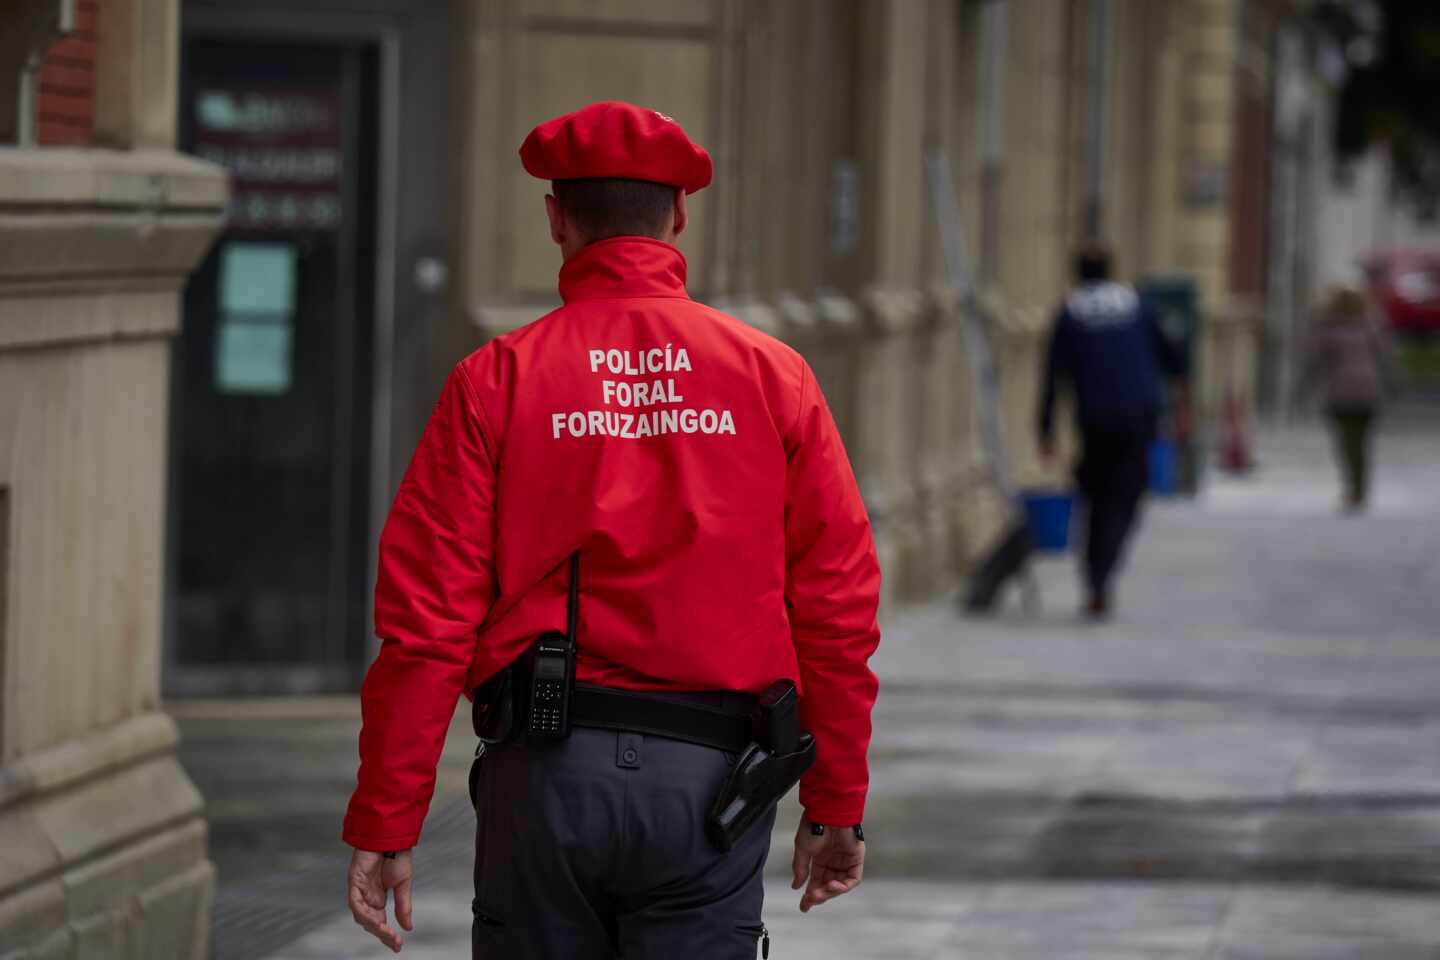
[[775, 760]]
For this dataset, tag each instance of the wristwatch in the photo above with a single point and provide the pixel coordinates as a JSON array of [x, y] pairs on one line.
[[818, 830]]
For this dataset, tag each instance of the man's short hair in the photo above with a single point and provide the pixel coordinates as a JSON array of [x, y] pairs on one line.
[[604, 207], [1092, 263]]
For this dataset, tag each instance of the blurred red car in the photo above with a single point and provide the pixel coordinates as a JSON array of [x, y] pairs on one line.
[[1406, 284]]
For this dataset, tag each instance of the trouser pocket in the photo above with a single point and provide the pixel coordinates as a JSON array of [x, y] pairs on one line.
[[492, 879], [759, 936], [474, 784], [487, 936]]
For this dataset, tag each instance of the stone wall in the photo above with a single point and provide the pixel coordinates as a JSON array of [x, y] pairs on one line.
[[103, 833]]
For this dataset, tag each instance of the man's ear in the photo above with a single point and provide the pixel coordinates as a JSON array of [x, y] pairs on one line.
[[558, 226], [681, 216]]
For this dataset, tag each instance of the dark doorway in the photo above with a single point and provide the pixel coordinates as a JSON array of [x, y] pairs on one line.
[[272, 388]]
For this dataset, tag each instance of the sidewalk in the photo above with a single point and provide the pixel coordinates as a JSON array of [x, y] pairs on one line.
[[899, 920], [1203, 777]]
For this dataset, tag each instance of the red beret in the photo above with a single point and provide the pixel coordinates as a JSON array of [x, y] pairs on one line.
[[614, 139]]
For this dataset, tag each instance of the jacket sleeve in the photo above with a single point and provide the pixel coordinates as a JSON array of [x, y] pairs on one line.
[[435, 586], [833, 594]]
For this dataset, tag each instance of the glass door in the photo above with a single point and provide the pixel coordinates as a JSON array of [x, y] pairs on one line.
[[271, 393]]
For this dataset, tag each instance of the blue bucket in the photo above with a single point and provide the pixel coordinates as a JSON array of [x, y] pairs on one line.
[[1164, 467], [1048, 515]]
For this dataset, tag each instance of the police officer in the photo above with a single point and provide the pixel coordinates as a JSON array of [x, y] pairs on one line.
[[1107, 345], [689, 467]]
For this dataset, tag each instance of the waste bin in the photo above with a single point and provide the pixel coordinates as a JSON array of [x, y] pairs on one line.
[[1164, 467], [1048, 515], [1175, 298]]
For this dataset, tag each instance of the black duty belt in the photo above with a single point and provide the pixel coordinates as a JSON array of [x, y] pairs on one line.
[[720, 720]]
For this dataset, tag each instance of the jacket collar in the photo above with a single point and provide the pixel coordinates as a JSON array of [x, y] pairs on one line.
[[624, 267]]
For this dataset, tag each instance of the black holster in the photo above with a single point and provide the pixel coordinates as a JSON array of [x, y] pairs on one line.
[[772, 764], [497, 710]]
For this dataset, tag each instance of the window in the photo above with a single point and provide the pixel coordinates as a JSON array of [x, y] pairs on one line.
[[254, 346]]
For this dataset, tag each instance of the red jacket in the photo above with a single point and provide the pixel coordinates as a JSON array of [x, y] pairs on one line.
[[693, 463]]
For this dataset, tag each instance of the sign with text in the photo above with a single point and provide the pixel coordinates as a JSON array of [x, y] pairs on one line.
[[284, 150]]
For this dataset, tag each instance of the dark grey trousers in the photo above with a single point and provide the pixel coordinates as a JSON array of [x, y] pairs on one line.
[[593, 848], [1112, 477]]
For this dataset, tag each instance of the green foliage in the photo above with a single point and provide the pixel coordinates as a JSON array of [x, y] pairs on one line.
[[1389, 94], [1421, 359]]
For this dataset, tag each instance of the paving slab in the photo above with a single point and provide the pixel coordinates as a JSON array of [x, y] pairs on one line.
[[908, 920]]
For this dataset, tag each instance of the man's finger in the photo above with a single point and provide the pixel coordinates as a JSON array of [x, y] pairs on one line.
[[366, 897], [800, 866], [381, 931], [375, 926], [814, 896], [402, 904], [388, 937], [366, 915], [818, 893]]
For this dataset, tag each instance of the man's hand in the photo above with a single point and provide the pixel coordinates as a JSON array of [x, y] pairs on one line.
[[372, 877], [826, 865]]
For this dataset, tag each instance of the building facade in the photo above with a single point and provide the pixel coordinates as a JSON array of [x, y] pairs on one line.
[[242, 243]]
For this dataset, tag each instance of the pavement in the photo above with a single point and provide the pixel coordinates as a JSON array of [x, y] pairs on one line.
[[1244, 763]]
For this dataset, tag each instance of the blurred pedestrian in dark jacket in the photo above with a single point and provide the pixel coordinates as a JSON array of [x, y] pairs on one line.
[[1352, 359], [1107, 345]]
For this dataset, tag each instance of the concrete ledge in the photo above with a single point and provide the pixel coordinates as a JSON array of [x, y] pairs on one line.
[[96, 244], [892, 310], [789, 316], [59, 831], [131, 741], [56, 247], [763, 315], [70, 179], [105, 867]]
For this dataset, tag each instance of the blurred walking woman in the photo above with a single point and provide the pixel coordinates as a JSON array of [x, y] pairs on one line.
[[1353, 361]]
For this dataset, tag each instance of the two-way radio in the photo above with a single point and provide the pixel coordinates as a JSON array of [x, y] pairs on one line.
[[552, 672]]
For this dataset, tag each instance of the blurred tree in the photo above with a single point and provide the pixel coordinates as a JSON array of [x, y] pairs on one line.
[[1385, 55]]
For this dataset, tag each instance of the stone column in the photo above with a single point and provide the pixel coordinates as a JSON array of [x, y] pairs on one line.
[[939, 387], [1211, 38], [883, 373], [104, 837], [1211, 46], [1042, 195], [936, 400], [889, 119]]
